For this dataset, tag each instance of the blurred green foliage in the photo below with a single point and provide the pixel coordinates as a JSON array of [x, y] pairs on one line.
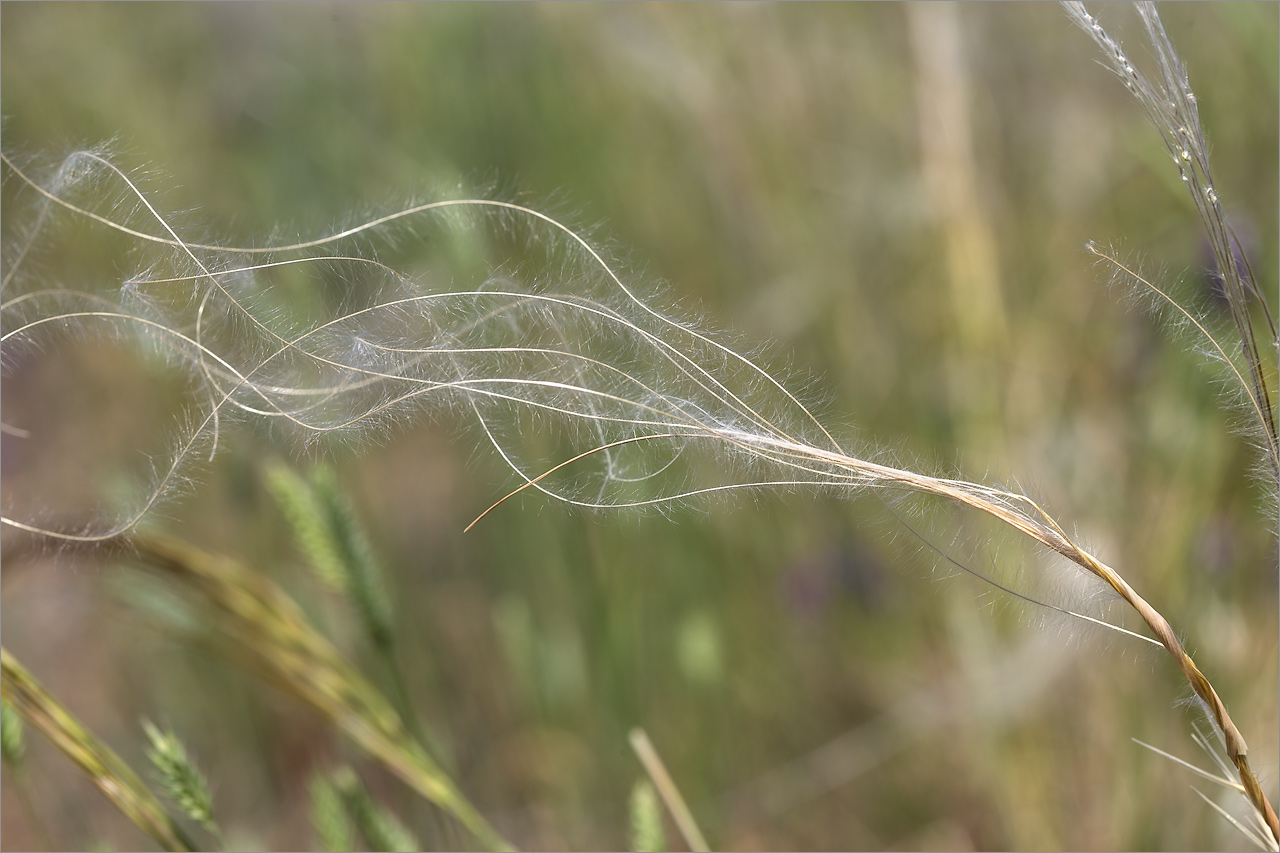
[[770, 163]]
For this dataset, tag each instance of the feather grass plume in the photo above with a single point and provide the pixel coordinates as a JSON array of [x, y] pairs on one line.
[[587, 390], [1173, 109]]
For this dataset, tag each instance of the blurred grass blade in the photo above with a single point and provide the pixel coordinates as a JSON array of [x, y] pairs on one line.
[[329, 816], [646, 819], [381, 829], [667, 789], [12, 743], [269, 635], [104, 768]]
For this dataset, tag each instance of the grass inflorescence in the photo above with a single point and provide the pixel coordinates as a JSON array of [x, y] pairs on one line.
[[527, 331]]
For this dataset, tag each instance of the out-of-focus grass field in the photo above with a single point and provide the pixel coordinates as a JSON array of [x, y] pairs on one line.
[[895, 201]]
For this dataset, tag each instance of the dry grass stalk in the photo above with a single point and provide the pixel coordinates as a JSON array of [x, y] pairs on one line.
[[269, 635], [105, 769]]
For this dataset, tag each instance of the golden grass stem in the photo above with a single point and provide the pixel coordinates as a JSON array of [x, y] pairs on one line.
[[1237, 749], [269, 635], [108, 772]]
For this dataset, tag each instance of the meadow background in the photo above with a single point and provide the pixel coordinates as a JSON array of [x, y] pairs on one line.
[[895, 201]]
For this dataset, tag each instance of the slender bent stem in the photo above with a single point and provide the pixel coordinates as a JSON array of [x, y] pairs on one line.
[[668, 791]]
